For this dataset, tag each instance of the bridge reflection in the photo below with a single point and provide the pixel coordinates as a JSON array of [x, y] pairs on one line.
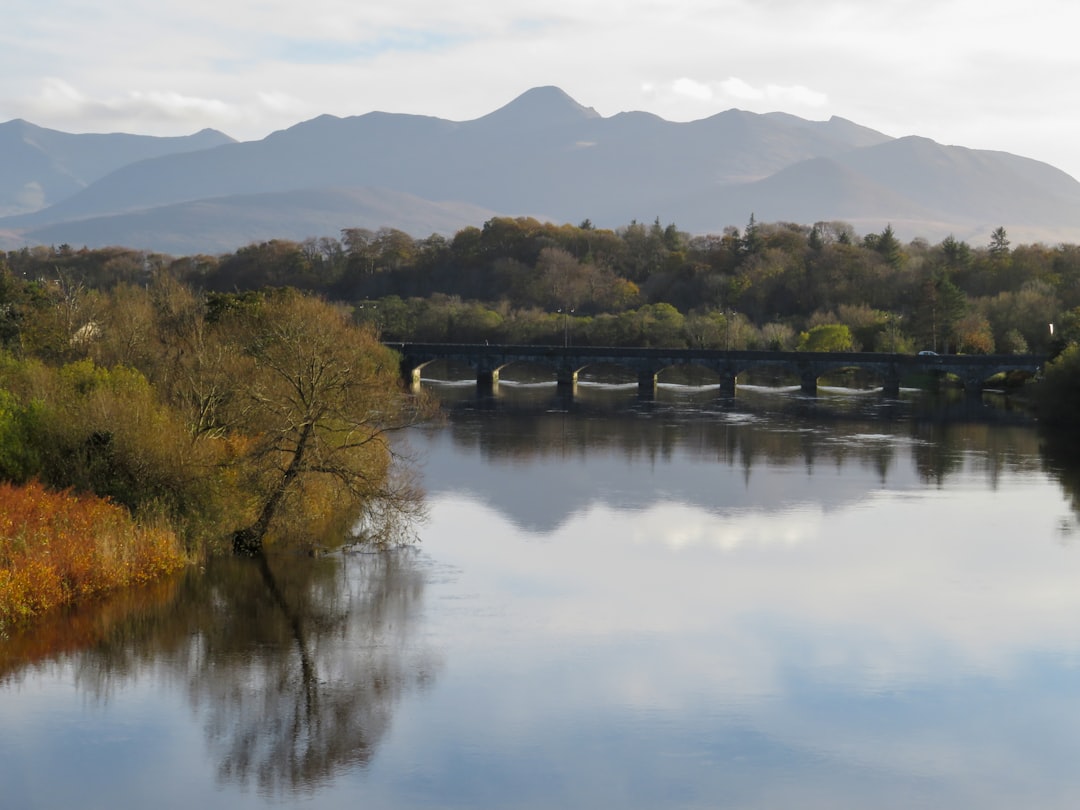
[[567, 362]]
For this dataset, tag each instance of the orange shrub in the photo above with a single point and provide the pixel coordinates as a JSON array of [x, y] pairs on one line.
[[57, 548]]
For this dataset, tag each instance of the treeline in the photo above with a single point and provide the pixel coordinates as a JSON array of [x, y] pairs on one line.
[[768, 286], [217, 420]]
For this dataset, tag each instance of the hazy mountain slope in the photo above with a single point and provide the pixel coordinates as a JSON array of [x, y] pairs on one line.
[[837, 128], [917, 186], [983, 185], [222, 224], [41, 166], [820, 189], [541, 154], [546, 155], [573, 164]]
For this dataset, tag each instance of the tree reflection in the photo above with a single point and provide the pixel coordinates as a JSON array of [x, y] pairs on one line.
[[768, 430], [1060, 453], [317, 659], [293, 665]]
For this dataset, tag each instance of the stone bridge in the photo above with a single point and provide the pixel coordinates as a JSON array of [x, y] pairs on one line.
[[566, 362]]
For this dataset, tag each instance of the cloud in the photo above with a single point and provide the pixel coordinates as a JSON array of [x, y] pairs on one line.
[[141, 110], [797, 95], [692, 89], [786, 95], [688, 97], [335, 51], [61, 98], [280, 103], [172, 105], [737, 88]]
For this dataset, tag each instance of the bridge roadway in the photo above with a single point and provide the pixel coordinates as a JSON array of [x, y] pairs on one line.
[[568, 361]]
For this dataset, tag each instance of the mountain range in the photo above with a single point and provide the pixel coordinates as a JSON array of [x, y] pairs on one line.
[[543, 155]]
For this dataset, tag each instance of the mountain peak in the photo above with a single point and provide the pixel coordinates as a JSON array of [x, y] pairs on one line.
[[20, 126], [541, 105]]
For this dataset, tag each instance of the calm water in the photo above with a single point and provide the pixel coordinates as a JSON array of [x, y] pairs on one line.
[[841, 603]]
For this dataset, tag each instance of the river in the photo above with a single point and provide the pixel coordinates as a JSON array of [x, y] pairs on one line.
[[835, 602]]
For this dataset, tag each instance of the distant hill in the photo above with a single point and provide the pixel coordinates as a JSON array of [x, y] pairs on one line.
[[544, 155], [39, 167], [221, 224]]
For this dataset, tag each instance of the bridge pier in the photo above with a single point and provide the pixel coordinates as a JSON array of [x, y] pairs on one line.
[[646, 384], [728, 383], [890, 386], [566, 378], [487, 379], [808, 382], [566, 383]]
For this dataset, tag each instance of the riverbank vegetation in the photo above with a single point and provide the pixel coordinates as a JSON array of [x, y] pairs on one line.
[[208, 422]]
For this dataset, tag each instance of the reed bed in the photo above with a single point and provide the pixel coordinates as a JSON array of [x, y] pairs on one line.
[[57, 548]]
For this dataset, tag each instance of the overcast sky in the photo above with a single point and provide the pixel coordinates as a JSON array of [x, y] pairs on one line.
[[978, 73]]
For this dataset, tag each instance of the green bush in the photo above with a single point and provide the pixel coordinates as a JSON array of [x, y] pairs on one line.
[[20, 459], [1057, 394], [828, 337]]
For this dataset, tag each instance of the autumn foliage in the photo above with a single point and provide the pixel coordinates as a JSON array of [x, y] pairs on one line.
[[57, 548], [146, 424]]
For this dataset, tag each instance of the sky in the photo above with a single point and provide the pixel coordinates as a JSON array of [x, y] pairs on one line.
[[978, 73]]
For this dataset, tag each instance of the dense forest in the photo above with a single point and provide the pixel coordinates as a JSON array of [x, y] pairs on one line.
[[776, 285]]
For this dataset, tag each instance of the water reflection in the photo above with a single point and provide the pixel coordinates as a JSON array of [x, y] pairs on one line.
[[830, 450], [906, 647], [836, 603], [1060, 451], [293, 666]]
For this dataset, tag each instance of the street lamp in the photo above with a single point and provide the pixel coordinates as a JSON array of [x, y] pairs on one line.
[[566, 324], [372, 314]]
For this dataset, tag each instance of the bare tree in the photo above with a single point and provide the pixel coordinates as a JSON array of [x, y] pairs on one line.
[[321, 396]]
